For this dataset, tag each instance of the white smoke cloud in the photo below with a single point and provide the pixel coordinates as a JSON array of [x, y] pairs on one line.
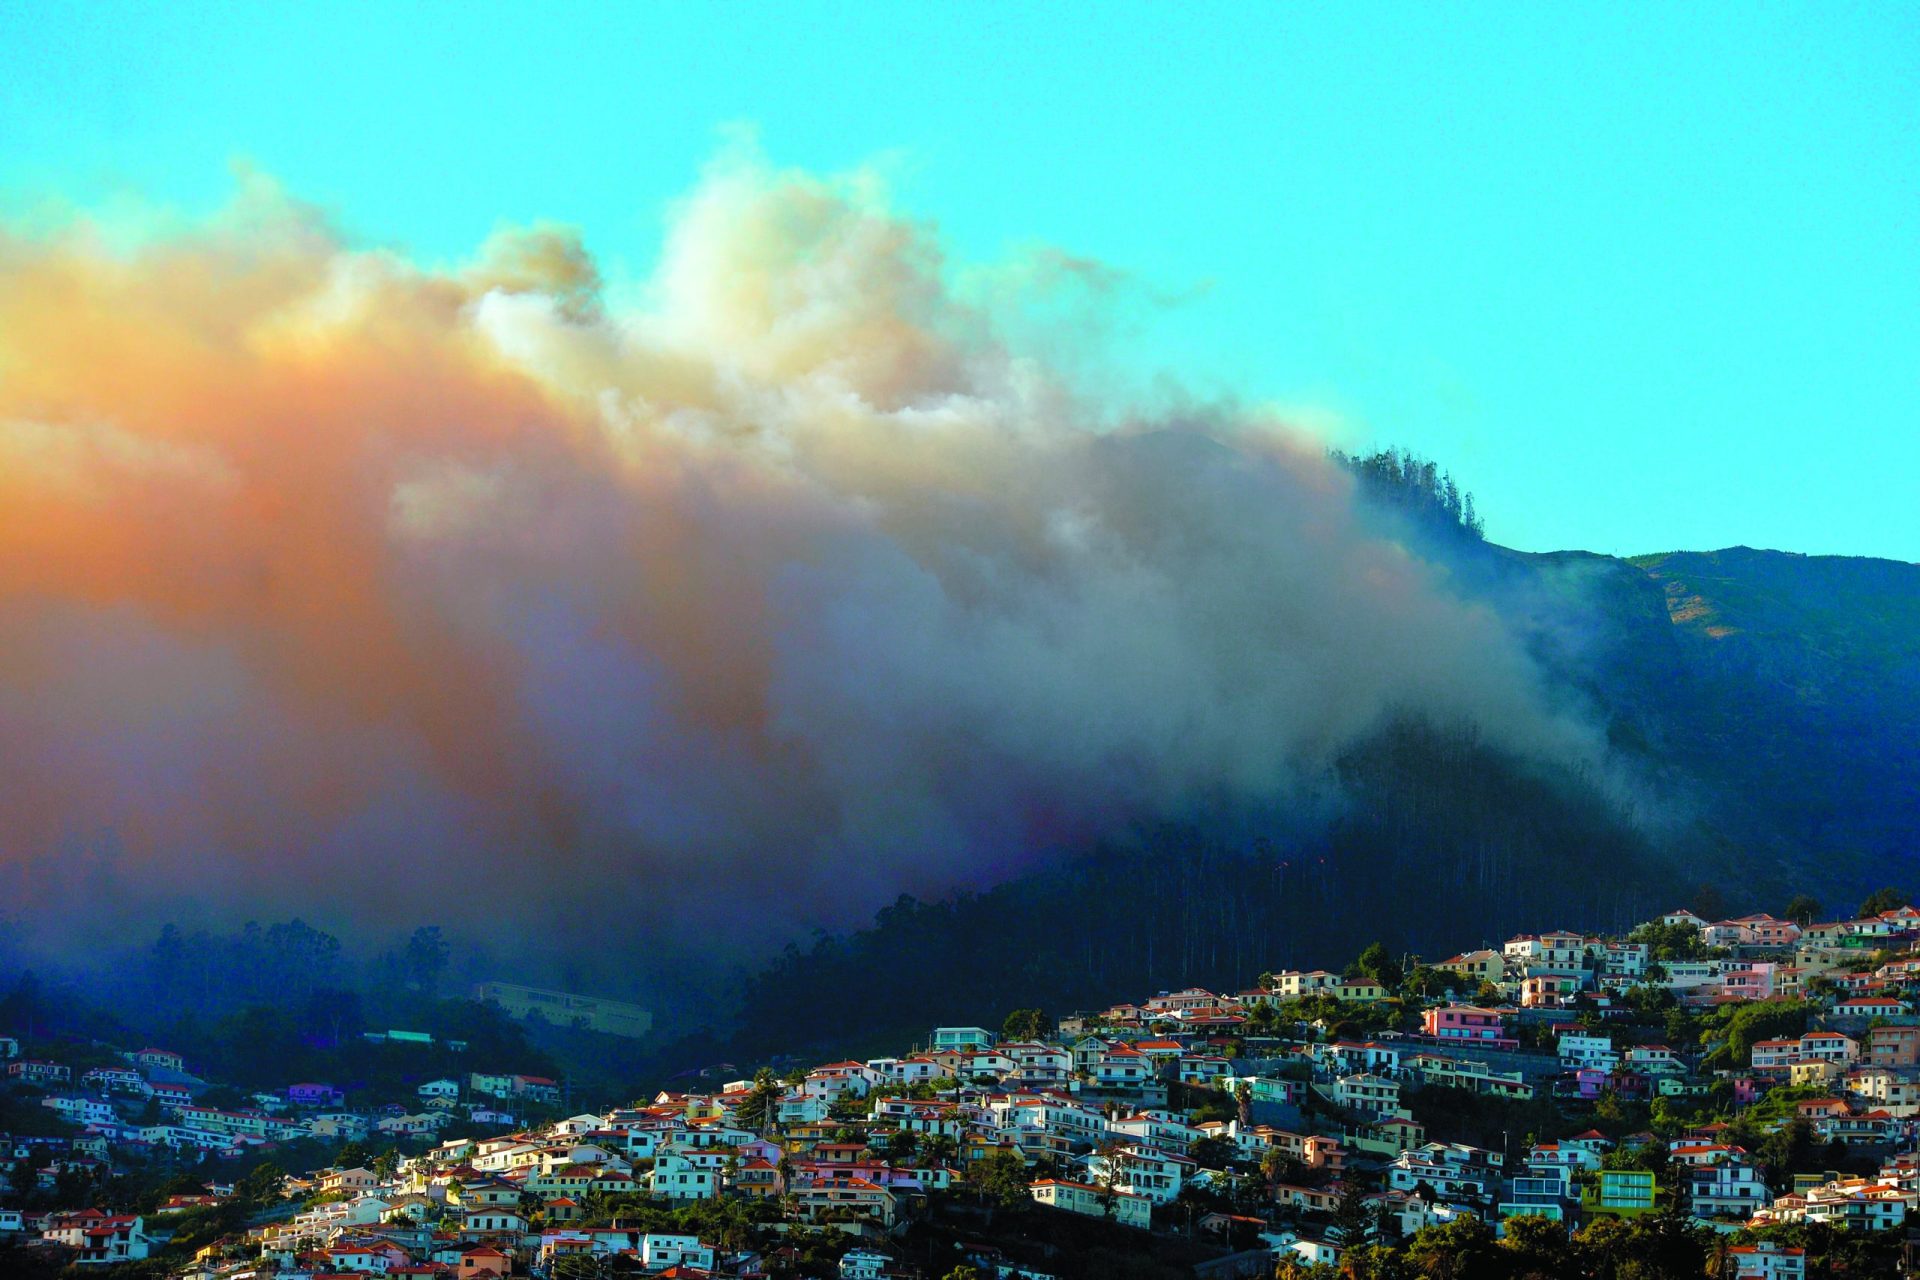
[[801, 581]]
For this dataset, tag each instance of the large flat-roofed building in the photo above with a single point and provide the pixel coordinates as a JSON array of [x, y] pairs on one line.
[[565, 1009]]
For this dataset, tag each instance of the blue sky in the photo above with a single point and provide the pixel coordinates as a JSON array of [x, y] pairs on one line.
[[1644, 276]]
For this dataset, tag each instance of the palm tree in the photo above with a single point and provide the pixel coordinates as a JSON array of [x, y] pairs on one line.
[[579, 1266]]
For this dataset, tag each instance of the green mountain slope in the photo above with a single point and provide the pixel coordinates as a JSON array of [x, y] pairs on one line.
[[1791, 705]]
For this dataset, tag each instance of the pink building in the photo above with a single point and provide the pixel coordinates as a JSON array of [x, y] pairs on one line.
[[1468, 1023], [1752, 931], [1754, 982], [1589, 1082]]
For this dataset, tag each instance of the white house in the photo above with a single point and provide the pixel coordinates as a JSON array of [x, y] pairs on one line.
[[660, 1251], [494, 1217], [1625, 959], [1767, 1260], [1293, 984], [1122, 1068], [100, 1237], [1161, 1130], [1654, 1059], [1315, 1253], [1142, 1171], [1371, 1094], [842, 1080], [1730, 1189], [40, 1073], [82, 1110], [1688, 975], [1094, 1202], [676, 1177], [1581, 1049]]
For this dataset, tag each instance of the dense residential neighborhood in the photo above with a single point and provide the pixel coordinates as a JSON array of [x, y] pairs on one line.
[[1726, 1097]]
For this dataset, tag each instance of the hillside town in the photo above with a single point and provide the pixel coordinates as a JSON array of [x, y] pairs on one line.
[[1729, 1097]]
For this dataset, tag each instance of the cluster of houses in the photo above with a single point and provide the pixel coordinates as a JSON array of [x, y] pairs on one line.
[[1243, 1114], [111, 1104], [143, 1107]]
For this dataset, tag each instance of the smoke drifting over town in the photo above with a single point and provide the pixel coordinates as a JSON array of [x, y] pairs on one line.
[[337, 585]]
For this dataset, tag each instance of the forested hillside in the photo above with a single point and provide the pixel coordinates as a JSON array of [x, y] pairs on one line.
[[1436, 842], [1762, 711]]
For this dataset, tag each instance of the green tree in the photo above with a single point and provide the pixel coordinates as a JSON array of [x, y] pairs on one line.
[[1464, 1249], [1352, 1216], [1001, 1179], [1368, 1262], [24, 1007], [1708, 902], [1024, 1024], [1213, 1153], [1670, 1244], [262, 1186], [1540, 1246], [761, 1109], [1609, 1250], [1882, 900], [1672, 941], [426, 958], [1786, 1151], [1377, 963], [1803, 909], [579, 1266], [1427, 982], [1762, 1020], [1609, 1112], [1278, 1167]]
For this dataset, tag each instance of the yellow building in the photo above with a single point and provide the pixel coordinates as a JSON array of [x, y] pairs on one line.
[[1477, 966]]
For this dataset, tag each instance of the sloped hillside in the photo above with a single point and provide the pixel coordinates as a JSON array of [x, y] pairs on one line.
[[1797, 705]]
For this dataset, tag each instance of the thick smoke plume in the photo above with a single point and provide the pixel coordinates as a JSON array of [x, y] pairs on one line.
[[330, 583]]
